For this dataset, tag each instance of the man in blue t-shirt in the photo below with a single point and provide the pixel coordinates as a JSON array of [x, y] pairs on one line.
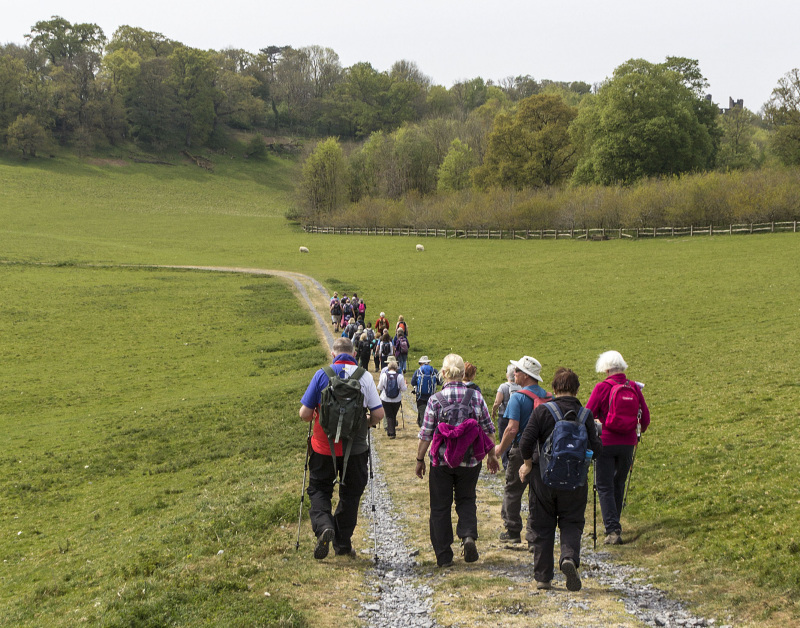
[[337, 527], [527, 373]]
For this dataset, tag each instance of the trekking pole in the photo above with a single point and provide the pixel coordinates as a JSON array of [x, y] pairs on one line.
[[630, 477], [372, 495], [303, 488], [403, 414], [594, 507]]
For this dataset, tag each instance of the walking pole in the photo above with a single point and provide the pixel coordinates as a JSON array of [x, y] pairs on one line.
[[303, 488], [633, 460], [403, 414], [372, 494], [630, 477], [594, 508]]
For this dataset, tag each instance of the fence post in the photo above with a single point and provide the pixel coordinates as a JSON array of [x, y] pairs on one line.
[[730, 229], [711, 229], [772, 230]]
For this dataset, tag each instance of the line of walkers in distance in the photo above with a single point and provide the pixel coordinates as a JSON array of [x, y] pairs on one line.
[[371, 344], [547, 442]]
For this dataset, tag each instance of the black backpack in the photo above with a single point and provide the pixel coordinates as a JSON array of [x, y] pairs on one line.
[[386, 348], [341, 412]]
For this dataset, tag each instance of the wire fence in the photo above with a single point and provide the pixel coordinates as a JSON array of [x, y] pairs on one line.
[[634, 233]]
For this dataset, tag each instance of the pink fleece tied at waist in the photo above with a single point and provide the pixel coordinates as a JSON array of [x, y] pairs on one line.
[[457, 441]]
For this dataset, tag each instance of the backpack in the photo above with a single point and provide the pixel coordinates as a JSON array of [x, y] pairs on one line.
[[336, 308], [537, 401], [364, 349], [341, 412], [362, 308], [455, 412], [392, 387], [624, 411], [402, 345], [562, 458], [386, 349], [426, 384], [370, 334]]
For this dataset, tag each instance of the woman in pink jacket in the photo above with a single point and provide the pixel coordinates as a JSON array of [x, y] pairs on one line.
[[619, 405]]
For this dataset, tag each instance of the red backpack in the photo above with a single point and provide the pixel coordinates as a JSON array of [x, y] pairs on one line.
[[624, 410]]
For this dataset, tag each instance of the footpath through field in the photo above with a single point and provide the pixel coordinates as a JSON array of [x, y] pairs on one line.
[[497, 590]]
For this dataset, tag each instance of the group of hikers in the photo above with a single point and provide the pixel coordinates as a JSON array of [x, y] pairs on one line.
[[370, 343], [544, 440]]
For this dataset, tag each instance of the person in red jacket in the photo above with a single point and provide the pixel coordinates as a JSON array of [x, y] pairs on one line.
[[382, 324], [614, 462]]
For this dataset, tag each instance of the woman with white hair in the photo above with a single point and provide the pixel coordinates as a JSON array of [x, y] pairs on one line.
[[619, 405], [501, 402], [458, 422]]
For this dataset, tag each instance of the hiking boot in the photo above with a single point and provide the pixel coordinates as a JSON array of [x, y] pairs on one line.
[[323, 540], [350, 553], [546, 586], [571, 572], [613, 539], [470, 550], [445, 565], [510, 537]]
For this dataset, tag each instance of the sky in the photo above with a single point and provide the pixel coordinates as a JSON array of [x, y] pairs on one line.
[[743, 48]]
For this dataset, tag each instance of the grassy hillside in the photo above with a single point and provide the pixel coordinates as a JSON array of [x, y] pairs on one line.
[[709, 324]]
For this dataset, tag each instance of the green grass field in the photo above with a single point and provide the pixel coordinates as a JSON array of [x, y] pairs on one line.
[[144, 409]]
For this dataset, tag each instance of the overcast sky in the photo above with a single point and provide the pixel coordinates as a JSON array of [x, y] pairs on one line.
[[743, 48]]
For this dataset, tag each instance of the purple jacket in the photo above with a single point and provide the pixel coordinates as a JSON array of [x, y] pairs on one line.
[[458, 439]]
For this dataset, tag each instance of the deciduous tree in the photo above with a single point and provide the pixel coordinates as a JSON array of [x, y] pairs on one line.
[[647, 120], [783, 112], [530, 147], [323, 187]]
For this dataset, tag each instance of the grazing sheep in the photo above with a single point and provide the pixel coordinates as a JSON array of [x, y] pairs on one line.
[[304, 249], [420, 247]]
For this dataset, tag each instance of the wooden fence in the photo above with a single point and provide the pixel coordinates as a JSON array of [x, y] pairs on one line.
[[557, 234]]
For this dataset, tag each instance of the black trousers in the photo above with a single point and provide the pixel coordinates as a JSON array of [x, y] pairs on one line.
[[320, 493], [612, 468], [548, 508], [447, 485], [391, 408], [422, 403]]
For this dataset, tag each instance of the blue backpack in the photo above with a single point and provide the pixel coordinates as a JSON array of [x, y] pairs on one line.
[[392, 387], [562, 460], [427, 381]]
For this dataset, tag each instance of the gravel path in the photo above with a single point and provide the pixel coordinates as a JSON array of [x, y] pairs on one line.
[[404, 599]]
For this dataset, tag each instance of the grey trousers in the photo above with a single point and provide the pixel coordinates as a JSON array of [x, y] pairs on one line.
[[512, 497]]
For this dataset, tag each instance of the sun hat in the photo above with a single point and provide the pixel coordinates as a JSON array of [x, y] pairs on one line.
[[383, 314], [424, 360], [529, 366], [391, 360]]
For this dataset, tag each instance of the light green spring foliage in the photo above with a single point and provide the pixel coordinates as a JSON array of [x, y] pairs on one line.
[[324, 185], [454, 171]]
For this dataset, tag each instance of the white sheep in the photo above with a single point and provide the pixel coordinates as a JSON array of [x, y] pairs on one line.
[[304, 249], [420, 247]]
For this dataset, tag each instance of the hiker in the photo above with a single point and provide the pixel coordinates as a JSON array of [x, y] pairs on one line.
[[401, 324], [376, 353], [499, 406], [620, 407], [361, 310], [364, 351], [401, 347], [385, 349], [382, 324], [336, 313], [527, 375], [351, 472], [457, 427], [557, 506], [352, 327], [391, 386], [347, 308], [424, 382], [470, 371]]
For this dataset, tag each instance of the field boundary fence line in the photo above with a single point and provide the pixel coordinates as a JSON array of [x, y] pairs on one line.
[[632, 233]]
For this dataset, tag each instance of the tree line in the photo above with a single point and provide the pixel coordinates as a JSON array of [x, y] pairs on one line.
[[72, 85], [648, 122]]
